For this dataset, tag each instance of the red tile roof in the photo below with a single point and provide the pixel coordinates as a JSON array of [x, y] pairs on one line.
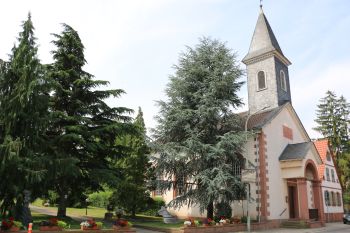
[[322, 148]]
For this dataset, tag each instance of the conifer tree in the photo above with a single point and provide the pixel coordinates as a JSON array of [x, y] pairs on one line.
[[198, 137], [332, 117], [131, 192], [23, 120], [83, 127], [333, 123]]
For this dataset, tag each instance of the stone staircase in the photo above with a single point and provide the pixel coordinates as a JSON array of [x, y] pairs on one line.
[[300, 224]]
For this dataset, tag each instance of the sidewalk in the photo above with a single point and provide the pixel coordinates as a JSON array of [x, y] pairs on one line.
[[338, 227]]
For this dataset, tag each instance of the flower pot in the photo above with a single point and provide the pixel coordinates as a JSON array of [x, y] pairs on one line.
[[89, 228], [50, 228], [14, 228]]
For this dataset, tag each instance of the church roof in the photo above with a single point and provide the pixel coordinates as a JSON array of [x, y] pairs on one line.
[[295, 151], [264, 41], [258, 120]]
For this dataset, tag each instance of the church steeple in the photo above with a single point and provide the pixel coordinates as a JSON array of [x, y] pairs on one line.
[[263, 41], [267, 68]]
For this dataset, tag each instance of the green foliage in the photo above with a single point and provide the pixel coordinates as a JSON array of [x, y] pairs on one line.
[[99, 224], [100, 199], [333, 119], [198, 138], [62, 224], [244, 219], [153, 205], [131, 192], [83, 127], [23, 120], [223, 209], [18, 224]]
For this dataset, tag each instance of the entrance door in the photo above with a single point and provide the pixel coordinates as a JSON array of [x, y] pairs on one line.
[[292, 201]]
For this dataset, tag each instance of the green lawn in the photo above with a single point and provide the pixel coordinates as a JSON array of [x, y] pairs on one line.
[[98, 214], [92, 212]]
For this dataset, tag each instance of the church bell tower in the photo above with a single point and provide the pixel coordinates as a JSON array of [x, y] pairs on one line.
[[267, 69]]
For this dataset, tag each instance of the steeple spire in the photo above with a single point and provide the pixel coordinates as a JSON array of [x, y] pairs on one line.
[[264, 41]]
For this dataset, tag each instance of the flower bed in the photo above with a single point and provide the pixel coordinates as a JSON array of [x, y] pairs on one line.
[[91, 224]]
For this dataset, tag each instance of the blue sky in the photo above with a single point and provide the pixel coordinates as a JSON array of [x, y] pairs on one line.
[[134, 44]]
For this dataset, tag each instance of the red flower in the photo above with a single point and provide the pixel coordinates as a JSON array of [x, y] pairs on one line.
[[11, 219]]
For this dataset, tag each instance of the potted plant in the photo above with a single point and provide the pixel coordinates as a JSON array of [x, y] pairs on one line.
[[91, 224], [50, 225], [121, 224], [10, 225]]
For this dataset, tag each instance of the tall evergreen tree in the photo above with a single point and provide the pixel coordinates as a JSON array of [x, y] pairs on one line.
[[332, 117], [23, 120], [198, 137], [83, 128], [131, 192]]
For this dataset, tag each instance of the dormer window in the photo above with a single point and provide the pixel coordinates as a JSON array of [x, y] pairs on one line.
[[261, 80], [283, 81]]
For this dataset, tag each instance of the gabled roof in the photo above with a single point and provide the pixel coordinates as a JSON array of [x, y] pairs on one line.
[[258, 120], [264, 41], [296, 151], [322, 148]]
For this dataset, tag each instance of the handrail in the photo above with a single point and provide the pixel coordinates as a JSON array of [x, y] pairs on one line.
[[283, 211]]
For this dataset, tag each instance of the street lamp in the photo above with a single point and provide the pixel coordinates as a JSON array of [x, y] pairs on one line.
[[86, 205], [255, 167]]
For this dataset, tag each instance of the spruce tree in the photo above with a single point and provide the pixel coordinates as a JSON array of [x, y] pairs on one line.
[[333, 123], [23, 119], [332, 117], [131, 192], [83, 127], [198, 139]]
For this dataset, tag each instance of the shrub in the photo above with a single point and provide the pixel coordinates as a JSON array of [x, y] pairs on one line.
[[152, 206], [62, 224], [223, 209], [100, 199], [244, 219]]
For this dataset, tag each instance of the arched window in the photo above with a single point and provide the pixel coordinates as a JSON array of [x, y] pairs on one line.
[[283, 81], [338, 199], [261, 80], [332, 174], [327, 174], [326, 197]]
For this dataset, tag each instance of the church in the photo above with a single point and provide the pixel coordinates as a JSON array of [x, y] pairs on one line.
[[282, 168]]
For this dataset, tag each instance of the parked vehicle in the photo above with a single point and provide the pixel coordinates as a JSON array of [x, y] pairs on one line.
[[346, 218]]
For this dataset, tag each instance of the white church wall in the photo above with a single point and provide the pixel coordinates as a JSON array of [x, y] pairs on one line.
[[276, 142]]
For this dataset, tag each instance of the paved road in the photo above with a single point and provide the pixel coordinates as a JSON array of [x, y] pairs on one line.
[[330, 227]]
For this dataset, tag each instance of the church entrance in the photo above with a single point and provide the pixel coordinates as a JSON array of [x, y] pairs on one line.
[[292, 198], [293, 204]]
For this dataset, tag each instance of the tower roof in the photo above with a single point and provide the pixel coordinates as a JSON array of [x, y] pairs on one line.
[[264, 42]]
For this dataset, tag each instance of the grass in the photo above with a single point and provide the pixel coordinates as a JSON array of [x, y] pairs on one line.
[[93, 212], [152, 221], [98, 214]]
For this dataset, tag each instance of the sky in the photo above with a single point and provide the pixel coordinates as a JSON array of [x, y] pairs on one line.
[[134, 44]]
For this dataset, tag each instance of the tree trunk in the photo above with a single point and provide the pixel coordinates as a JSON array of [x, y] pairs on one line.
[[210, 210], [62, 208]]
